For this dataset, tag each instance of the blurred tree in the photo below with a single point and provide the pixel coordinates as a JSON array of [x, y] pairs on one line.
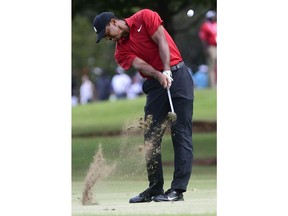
[[125, 8]]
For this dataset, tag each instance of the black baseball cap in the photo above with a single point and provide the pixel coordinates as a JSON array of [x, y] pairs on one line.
[[100, 22]]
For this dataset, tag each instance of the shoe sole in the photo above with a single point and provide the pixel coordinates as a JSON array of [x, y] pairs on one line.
[[142, 201], [172, 200]]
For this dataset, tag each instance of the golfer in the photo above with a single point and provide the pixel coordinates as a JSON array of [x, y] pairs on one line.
[[142, 42]]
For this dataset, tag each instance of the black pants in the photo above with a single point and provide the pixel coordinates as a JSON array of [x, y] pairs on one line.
[[158, 106]]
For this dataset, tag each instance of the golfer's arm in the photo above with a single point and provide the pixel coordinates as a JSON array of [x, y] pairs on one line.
[[160, 39], [145, 68], [148, 70]]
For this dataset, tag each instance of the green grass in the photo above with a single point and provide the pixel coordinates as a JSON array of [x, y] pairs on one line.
[[112, 195], [130, 177], [205, 105], [113, 116], [124, 149], [105, 116]]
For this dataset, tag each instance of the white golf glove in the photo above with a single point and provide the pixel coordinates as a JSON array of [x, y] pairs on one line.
[[168, 74]]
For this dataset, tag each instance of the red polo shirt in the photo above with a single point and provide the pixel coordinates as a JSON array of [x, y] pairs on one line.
[[143, 25]]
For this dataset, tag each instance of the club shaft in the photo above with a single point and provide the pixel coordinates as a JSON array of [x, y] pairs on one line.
[[170, 100]]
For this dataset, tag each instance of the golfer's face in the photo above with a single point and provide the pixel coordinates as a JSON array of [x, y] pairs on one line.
[[113, 32]]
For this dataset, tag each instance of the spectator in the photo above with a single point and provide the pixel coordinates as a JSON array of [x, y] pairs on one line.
[[103, 86], [86, 90], [208, 36], [74, 99], [135, 89], [201, 78], [120, 83]]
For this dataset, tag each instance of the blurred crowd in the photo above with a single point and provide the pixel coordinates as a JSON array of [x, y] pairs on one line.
[[121, 86], [106, 88]]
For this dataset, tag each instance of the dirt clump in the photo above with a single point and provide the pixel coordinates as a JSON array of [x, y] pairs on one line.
[[172, 116], [98, 170]]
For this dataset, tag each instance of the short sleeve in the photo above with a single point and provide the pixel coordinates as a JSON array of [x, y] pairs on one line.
[[152, 21], [124, 58]]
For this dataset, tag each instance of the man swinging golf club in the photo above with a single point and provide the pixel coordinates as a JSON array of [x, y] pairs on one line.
[[142, 42]]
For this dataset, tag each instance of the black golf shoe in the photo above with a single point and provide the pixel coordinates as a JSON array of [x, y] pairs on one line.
[[145, 196], [169, 195]]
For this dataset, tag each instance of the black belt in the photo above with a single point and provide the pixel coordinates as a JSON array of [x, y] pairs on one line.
[[176, 67]]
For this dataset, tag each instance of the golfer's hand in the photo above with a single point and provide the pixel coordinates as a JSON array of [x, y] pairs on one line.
[[169, 78], [162, 79]]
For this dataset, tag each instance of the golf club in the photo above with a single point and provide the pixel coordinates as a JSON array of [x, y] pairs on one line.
[[172, 115], [170, 100]]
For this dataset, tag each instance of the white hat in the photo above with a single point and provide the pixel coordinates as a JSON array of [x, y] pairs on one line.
[[210, 14]]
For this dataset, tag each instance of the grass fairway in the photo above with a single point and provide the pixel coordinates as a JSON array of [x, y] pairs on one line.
[[112, 195], [113, 116], [129, 179], [124, 150]]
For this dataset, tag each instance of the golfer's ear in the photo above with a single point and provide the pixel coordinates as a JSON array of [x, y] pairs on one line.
[[113, 21]]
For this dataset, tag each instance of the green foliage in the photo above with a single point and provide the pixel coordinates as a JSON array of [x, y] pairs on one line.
[[82, 48], [127, 7], [85, 49]]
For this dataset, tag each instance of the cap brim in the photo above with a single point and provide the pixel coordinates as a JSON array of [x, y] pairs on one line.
[[100, 35]]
